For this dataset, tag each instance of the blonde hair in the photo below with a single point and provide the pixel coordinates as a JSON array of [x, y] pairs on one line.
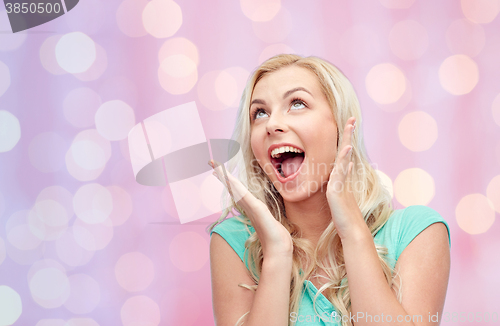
[[373, 199]]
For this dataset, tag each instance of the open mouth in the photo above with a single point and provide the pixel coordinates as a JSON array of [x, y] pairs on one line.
[[287, 164]]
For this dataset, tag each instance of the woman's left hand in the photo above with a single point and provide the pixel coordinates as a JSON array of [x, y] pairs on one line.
[[346, 214]]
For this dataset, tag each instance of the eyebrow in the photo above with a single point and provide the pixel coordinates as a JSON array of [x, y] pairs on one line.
[[287, 93]]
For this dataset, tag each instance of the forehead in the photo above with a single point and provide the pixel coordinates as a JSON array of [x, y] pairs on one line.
[[284, 79]]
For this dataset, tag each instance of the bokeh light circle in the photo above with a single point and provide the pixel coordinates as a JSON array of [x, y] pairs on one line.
[[10, 131], [22, 238], [88, 154], [85, 294], [114, 119], [475, 213], [122, 205], [140, 310], [177, 74], [97, 68], [162, 18], [25, 255], [48, 219], [480, 11], [51, 322], [93, 203], [49, 287], [92, 237], [79, 172], [275, 30], [229, 85], [81, 322], [465, 37], [48, 55], [4, 78], [385, 83], [75, 52], [134, 271], [80, 106], [408, 40], [11, 305], [19, 233], [70, 252], [414, 186], [59, 194], [397, 4], [46, 152], [129, 17], [90, 16], [495, 109], [178, 65], [260, 10], [188, 251], [418, 131], [458, 74], [493, 192], [207, 93], [179, 45], [274, 49]]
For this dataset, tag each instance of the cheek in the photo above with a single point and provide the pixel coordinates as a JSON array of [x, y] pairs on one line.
[[257, 146]]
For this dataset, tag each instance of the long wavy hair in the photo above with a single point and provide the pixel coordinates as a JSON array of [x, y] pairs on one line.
[[373, 199]]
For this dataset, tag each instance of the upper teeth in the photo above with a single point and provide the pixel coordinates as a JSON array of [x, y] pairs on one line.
[[276, 153]]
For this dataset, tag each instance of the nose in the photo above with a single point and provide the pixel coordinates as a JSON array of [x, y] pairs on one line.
[[276, 124]]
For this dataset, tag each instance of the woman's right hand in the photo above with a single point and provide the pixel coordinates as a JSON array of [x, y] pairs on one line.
[[274, 237]]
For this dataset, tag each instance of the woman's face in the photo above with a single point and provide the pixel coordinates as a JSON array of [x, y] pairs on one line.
[[289, 107]]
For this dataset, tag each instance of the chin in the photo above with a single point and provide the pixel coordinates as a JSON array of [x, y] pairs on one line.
[[303, 192]]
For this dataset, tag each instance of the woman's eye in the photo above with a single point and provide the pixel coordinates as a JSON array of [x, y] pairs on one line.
[[298, 104], [256, 114]]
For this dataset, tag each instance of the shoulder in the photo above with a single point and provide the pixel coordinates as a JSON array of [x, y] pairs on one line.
[[404, 225], [423, 262], [235, 231]]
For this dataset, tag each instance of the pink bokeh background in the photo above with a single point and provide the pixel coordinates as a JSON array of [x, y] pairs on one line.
[[82, 243]]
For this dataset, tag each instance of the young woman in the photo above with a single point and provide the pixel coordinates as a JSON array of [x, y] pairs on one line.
[[315, 240]]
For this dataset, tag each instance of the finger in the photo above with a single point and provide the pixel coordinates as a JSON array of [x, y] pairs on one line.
[[222, 175], [235, 188], [349, 175], [346, 161], [348, 131]]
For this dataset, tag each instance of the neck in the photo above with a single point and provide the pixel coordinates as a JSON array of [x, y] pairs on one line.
[[311, 215]]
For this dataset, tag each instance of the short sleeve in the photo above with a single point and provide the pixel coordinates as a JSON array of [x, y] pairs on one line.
[[414, 220], [235, 233]]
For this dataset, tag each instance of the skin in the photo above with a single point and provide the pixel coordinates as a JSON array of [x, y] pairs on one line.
[[424, 264], [309, 125]]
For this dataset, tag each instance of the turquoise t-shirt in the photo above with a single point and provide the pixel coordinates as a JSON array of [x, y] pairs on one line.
[[400, 229]]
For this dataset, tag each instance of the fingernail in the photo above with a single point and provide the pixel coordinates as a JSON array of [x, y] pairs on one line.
[[210, 163]]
